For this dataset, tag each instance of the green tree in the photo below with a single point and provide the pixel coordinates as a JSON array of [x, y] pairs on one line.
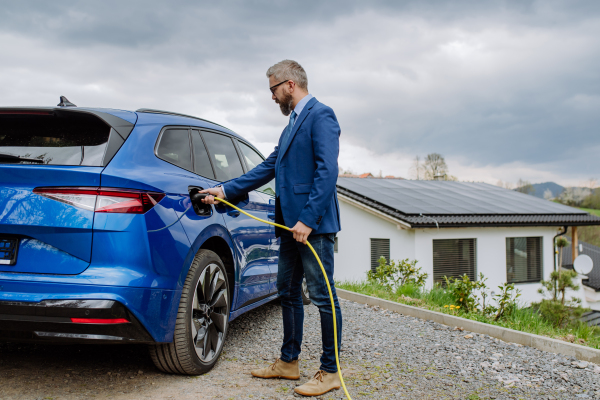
[[592, 200]]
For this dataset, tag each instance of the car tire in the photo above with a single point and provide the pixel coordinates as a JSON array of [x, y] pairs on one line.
[[202, 320], [305, 294]]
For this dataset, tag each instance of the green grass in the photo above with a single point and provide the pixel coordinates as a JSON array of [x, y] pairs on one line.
[[522, 319], [588, 234], [591, 211]]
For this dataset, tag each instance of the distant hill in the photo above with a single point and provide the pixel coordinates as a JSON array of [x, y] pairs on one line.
[[540, 188]]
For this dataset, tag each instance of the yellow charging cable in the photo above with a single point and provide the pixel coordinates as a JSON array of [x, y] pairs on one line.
[[337, 357]]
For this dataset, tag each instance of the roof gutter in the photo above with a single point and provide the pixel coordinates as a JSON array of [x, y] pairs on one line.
[[399, 223], [495, 225]]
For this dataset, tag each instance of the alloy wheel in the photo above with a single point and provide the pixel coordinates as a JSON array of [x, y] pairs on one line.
[[209, 313]]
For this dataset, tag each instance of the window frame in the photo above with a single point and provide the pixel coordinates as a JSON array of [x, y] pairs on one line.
[[474, 255], [190, 128], [243, 158], [159, 140], [214, 177], [541, 259], [375, 263], [234, 142]]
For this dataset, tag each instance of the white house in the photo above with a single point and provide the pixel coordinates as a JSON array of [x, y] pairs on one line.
[[451, 228], [590, 282]]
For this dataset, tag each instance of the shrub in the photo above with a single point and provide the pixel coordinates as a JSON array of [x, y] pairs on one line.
[[397, 274], [558, 284], [463, 289], [507, 300], [557, 310]]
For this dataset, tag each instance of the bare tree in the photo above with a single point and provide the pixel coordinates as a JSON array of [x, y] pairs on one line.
[[416, 169], [434, 165], [525, 187], [506, 185], [592, 184]]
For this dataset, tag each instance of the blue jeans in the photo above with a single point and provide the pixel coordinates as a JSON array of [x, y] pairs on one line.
[[295, 261]]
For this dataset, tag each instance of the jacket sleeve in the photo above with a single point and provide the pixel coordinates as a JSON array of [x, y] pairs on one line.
[[253, 179], [326, 147]]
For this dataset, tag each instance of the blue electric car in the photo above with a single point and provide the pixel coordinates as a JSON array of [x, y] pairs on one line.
[[101, 242]]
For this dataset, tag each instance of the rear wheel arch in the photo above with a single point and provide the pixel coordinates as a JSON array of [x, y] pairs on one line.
[[218, 245], [216, 238]]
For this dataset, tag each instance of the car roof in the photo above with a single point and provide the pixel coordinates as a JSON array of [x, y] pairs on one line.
[[148, 115], [142, 115]]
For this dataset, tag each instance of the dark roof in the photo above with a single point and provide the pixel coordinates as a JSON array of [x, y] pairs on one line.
[[593, 280], [455, 204]]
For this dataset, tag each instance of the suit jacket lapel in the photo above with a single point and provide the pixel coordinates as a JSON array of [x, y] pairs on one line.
[[299, 121]]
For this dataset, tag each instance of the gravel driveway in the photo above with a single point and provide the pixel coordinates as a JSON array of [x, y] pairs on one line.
[[386, 355]]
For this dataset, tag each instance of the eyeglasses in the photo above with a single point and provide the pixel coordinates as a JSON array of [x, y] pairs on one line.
[[272, 88]]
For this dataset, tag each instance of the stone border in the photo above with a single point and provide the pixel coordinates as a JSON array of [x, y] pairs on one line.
[[507, 335]]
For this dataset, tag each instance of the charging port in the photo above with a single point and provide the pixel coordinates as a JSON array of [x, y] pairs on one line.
[[201, 209]]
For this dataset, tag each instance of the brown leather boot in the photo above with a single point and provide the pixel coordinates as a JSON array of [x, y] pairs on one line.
[[279, 369], [320, 384]]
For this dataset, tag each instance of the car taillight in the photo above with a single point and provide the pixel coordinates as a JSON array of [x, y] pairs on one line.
[[103, 200], [75, 196], [128, 202]]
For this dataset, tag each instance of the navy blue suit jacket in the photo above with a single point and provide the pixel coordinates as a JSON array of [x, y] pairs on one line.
[[308, 171]]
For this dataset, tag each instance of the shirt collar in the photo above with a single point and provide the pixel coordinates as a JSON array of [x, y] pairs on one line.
[[301, 104]]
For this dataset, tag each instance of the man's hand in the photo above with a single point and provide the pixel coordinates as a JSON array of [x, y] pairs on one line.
[[301, 232], [216, 191]]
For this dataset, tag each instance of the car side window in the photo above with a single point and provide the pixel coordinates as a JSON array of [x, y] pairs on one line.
[[202, 164], [253, 158], [174, 147], [223, 155]]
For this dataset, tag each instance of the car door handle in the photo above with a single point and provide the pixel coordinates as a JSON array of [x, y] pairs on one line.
[[271, 215], [233, 213]]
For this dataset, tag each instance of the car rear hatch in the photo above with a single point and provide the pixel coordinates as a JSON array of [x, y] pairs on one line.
[[48, 158]]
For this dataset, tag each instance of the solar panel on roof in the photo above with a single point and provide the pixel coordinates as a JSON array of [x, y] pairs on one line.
[[446, 197]]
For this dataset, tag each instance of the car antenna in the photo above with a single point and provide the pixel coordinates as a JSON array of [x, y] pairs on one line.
[[64, 102]]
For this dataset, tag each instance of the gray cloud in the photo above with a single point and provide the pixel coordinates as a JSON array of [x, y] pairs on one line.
[[490, 82]]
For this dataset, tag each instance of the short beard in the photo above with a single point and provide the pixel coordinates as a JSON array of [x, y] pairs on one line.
[[286, 104]]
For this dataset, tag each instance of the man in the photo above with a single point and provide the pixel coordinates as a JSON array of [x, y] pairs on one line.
[[304, 164]]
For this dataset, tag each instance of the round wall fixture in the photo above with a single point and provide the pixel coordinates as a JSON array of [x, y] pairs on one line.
[[583, 264]]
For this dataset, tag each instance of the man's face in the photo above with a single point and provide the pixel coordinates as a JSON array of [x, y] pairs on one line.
[[282, 96]]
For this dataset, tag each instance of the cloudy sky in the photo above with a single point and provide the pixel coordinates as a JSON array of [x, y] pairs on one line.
[[503, 89]]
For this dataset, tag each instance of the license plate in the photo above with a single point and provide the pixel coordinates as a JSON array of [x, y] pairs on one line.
[[9, 247]]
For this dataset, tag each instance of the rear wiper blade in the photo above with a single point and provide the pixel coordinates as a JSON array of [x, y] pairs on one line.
[[10, 157]]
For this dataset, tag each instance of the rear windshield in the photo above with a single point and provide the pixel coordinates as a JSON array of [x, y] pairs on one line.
[[55, 138]]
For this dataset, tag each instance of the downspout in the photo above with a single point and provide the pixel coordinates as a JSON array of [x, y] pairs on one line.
[[554, 246], [556, 255]]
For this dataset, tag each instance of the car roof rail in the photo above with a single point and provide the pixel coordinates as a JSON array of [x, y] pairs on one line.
[[153, 111]]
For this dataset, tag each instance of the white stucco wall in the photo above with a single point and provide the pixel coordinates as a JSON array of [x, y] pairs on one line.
[[353, 259], [491, 252]]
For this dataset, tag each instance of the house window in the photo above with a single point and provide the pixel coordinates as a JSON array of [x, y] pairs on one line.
[[454, 258], [523, 259], [335, 245], [379, 248]]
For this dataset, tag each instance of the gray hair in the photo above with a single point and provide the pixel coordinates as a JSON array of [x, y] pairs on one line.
[[290, 70]]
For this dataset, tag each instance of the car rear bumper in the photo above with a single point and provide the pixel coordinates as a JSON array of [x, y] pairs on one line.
[[80, 320], [43, 311]]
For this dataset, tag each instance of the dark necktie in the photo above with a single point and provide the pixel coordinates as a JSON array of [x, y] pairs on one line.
[[284, 142]]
